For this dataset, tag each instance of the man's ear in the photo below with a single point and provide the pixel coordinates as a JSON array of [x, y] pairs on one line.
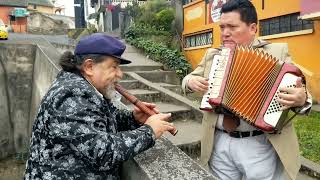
[[253, 28], [87, 67]]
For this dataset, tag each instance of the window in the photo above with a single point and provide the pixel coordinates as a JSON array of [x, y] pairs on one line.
[[186, 1], [200, 39], [283, 24], [94, 2]]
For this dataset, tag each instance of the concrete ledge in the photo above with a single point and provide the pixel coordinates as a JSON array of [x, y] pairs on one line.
[[163, 161], [310, 168], [287, 34], [179, 98], [316, 107]]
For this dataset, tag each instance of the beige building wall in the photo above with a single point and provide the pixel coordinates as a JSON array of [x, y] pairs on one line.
[[42, 9]]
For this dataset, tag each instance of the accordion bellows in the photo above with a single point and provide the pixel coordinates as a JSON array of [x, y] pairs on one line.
[[246, 81]]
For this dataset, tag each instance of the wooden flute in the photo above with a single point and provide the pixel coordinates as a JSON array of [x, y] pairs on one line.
[[134, 100]]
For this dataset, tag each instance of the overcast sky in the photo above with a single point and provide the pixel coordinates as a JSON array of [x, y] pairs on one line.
[[69, 6]]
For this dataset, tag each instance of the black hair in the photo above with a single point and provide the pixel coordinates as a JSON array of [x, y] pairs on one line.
[[247, 11], [72, 63]]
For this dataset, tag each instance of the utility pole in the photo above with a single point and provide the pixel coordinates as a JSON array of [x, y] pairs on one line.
[[86, 10], [79, 14]]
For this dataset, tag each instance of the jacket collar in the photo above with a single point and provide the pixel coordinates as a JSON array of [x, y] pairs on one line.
[[257, 43], [95, 89], [71, 75]]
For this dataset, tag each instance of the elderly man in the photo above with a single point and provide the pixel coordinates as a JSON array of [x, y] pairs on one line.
[[247, 152], [78, 133]]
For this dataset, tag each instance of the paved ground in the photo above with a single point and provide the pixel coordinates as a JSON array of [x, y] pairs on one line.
[[316, 107], [62, 39], [304, 177]]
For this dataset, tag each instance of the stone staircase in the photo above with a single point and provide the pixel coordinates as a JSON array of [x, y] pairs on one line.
[[185, 117]]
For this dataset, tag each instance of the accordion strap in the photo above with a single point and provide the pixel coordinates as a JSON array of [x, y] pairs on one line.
[[288, 120], [261, 44]]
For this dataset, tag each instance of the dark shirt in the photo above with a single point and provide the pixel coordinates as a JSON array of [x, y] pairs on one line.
[[78, 134]]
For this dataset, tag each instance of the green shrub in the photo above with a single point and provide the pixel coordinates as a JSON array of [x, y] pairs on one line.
[[150, 10], [133, 10], [164, 19], [151, 32], [159, 52], [140, 30]]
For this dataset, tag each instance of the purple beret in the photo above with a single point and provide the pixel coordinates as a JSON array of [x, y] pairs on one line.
[[99, 43]]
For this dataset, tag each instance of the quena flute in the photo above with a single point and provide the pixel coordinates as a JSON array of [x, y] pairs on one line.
[[134, 100]]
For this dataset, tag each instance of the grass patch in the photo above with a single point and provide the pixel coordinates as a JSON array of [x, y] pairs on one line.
[[308, 132]]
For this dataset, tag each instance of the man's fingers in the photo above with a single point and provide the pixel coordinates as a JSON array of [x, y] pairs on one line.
[[287, 90], [201, 87], [288, 97], [299, 82], [283, 89], [136, 109], [168, 128], [199, 83], [168, 125], [286, 103], [204, 82], [156, 110], [150, 105], [153, 107], [164, 117], [291, 90]]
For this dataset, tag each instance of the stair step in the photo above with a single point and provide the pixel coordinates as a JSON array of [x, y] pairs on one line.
[[166, 84], [173, 87], [139, 61], [142, 91], [132, 84], [167, 107], [140, 68], [189, 132], [178, 112], [188, 137], [126, 77], [160, 76], [143, 95]]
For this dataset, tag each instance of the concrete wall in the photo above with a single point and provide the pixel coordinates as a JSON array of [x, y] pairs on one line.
[[26, 73], [6, 138], [45, 71], [15, 92], [39, 23], [69, 21]]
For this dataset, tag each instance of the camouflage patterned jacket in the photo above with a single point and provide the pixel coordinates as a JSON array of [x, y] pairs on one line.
[[78, 134]]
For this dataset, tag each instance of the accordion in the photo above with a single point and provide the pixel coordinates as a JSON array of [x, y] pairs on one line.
[[245, 82]]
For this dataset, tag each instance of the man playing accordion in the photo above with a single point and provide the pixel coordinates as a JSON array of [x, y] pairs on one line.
[[232, 148]]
